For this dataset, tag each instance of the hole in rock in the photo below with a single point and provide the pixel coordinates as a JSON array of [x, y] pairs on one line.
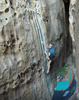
[[5, 1], [6, 18], [14, 14], [7, 10]]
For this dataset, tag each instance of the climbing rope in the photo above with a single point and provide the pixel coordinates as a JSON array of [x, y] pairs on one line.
[[43, 48]]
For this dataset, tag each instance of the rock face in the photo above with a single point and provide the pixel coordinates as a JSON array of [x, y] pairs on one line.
[[74, 31], [24, 24]]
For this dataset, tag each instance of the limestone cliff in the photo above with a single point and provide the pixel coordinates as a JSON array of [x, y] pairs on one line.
[[74, 32], [24, 24]]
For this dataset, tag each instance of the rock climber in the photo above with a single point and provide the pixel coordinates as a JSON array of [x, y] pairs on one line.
[[50, 55]]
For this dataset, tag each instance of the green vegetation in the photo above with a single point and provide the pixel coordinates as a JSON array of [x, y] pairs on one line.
[[67, 65], [62, 70]]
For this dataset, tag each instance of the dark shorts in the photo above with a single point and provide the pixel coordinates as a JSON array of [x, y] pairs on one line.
[[51, 57]]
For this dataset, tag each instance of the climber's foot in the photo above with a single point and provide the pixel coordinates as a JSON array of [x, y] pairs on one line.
[[47, 71]]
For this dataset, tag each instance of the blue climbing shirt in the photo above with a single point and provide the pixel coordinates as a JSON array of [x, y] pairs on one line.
[[51, 50]]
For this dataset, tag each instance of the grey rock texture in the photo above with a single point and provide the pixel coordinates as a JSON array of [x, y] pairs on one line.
[[74, 31], [22, 67]]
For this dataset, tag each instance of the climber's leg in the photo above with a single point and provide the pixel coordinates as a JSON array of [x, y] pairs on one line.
[[51, 57], [47, 55], [48, 66]]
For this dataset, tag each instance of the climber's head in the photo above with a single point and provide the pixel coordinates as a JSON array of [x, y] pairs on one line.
[[50, 45]]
